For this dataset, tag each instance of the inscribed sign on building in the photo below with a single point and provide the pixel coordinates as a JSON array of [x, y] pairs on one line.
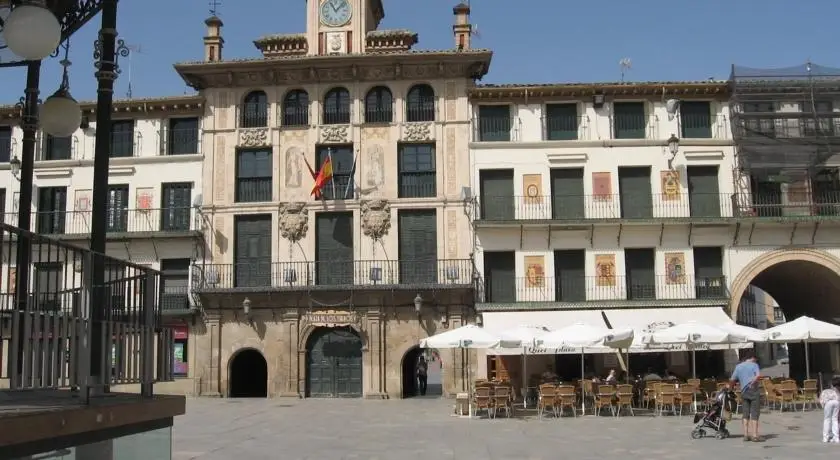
[[605, 269], [670, 185], [532, 188], [602, 186], [535, 271], [675, 267]]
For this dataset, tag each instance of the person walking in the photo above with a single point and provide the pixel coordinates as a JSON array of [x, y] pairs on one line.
[[830, 402], [746, 374], [422, 375]]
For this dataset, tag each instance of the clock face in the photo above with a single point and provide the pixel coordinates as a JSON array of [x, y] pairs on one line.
[[335, 13]]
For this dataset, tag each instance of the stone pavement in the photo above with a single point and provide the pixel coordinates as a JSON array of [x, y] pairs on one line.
[[254, 429]]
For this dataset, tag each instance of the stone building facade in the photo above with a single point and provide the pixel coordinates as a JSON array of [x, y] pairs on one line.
[[329, 296]]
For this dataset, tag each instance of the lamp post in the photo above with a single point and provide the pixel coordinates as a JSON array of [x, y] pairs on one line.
[[674, 148]]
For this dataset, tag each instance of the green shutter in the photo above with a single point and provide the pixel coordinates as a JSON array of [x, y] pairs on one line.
[[703, 191], [496, 194], [418, 246], [500, 276], [561, 122], [253, 251], [634, 189], [696, 120], [708, 272], [334, 248], [639, 266], [567, 200], [494, 123], [570, 275], [629, 120]]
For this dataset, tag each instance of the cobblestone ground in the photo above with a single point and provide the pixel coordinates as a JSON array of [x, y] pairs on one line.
[[252, 429]]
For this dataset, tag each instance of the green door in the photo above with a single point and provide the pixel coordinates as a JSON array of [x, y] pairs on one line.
[[629, 120], [561, 122], [334, 248], [252, 254], [500, 276], [695, 120], [496, 194], [703, 191], [118, 208], [635, 192], [334, 363], [567, 194], [417, 246], [569, 275], [708, 272], [641, 273]]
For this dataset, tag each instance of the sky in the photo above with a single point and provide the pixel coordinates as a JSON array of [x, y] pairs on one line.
[[547, 41]]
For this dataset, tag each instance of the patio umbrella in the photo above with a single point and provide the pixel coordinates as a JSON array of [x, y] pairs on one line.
[[692, 333], [583, 336], [806, 330], [523, 337], [464, 337], [752, 334]]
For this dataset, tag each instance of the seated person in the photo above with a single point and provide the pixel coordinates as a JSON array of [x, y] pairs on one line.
[[650, 375], [611, 378], [548, 375]]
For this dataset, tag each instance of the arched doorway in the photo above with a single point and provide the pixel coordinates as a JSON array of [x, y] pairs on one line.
[[334, 363], [802, 282], [434, 376], [409, 372], [248, 375]]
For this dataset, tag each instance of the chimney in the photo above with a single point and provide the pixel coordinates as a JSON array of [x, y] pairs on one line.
[[462, 28], [213, 42]]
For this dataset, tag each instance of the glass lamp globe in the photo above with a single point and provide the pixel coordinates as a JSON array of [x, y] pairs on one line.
[[674, 144], [60, 114], [32, 31]]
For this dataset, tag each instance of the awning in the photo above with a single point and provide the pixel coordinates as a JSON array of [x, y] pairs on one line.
[[500, 321], [646, 320]]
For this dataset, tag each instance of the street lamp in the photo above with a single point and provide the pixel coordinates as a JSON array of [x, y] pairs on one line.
[[674, 148], [14, 166], [61, 115], [418, 304], [32, 31], [246, 307]]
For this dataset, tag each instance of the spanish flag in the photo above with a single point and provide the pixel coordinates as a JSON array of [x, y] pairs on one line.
[[324, 176], [314, 177]]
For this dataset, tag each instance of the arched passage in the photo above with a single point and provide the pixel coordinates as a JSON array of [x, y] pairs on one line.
[[248, 375], [434, 382], [803, 282], [334, 363]]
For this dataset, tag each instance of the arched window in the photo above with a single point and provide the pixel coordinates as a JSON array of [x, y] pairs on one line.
[[420, 103], [337, 107], [255, 110], [379, 105], [296, 108]]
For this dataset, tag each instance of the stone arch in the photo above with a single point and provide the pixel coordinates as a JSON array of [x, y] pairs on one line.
[[765, 261], [257, 385], [305, 333]]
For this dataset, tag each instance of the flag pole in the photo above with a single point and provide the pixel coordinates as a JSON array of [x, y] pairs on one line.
[[352, 177], [332, 167]]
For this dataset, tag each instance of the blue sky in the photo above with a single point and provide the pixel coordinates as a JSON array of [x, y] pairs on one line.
[[547, 41]]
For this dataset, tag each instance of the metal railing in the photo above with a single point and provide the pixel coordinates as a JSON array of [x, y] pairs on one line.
[[786, 125], [565, 128], [496, 129], [126, 144], [337, 116], [634, 126], [254, 189], [58, 148], [417, 184], [422, 111], [379, 114], [576, 289], [657, 206], [332, 273], [294, 116], [254, 114], [181, 141], [702, 126], [46, 322], [173, 220]]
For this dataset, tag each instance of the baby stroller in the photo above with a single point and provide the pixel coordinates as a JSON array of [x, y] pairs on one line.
[[715, 417]]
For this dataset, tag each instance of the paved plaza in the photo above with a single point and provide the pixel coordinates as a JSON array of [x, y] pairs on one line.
[[410, 429]]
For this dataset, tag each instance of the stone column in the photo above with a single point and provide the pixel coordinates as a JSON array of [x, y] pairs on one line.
[[376, 368], [213, 376], [289, 387]]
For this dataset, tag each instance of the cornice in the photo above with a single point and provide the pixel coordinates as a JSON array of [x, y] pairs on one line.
[[379, 66], [176, 105], [699, 89]]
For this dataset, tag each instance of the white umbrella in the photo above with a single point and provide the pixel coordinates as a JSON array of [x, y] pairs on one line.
[[523, 337], [752, 334], [469, 336], [806, 330], [583, 336], [692, 334]]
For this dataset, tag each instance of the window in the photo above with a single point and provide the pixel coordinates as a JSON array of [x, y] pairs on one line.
[[561, 122], [629, 120], [5, 144], [58, 148], [819, 120], [117, 208], [49, 279], [494, 123], [337, 107], [342, 186], [122, 138], [296, 108], [176, 204], [182, 138], [420, 103], [3, 206], [52, 209], [253, 176], [755, 123], [174, 274], [255, 110], [695, 120], [379, 105], [417, 177]]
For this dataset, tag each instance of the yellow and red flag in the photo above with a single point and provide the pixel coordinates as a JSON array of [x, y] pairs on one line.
[[324, 176], [314, 177]]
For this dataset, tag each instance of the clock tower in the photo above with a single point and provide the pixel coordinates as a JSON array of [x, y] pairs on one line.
[[340, 26]]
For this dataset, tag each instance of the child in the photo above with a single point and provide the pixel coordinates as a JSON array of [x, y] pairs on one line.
[[830, 402]]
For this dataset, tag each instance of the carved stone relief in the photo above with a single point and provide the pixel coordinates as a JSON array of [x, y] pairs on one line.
[[294, 221], [417, 132], [224, 108], [376, 218], [375, 166], [219, 168], [452, 234], [253, 137], [450, 93], [294, 169], [336, 134], [451, 160]]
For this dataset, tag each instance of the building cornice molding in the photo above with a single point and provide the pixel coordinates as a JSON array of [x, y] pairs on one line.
[[696, 89], [168, 106]]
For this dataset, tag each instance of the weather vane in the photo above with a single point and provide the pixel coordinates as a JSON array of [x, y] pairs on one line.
[[214, 7]]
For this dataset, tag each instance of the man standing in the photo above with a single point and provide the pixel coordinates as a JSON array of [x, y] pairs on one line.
[[422, 375], [746, 374]]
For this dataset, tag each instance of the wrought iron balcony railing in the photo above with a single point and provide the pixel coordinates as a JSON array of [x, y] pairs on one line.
[[703, 126], [660, 206], [566, 128], [257, 275], [496, 129], [47, 322], [577, 289], [786, 125], [169, 220]]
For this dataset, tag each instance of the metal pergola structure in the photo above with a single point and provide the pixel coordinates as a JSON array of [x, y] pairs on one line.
[[72, 15]]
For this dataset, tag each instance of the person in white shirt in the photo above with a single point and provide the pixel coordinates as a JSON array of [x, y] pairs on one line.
[[611, 379], [830, 402]]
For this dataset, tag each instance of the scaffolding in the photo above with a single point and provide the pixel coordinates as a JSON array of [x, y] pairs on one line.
[[786, 129]]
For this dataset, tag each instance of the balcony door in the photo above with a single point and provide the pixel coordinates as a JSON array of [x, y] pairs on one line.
[[567, 194], [570, 275], [496, 194], [634, 189], [334, 249], [640, 273], [500, 276], [703, 191], [176, 203], [118, 208], [418, 246], [252, 251], [708, 272], [52, 209]]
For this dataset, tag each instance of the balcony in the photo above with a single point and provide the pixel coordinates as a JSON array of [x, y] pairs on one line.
[[496, 129], [331, 275], [703, 126], [131, 223], [611, 290], [682, 207], [801, 127], [180, 141], [566, 128]]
